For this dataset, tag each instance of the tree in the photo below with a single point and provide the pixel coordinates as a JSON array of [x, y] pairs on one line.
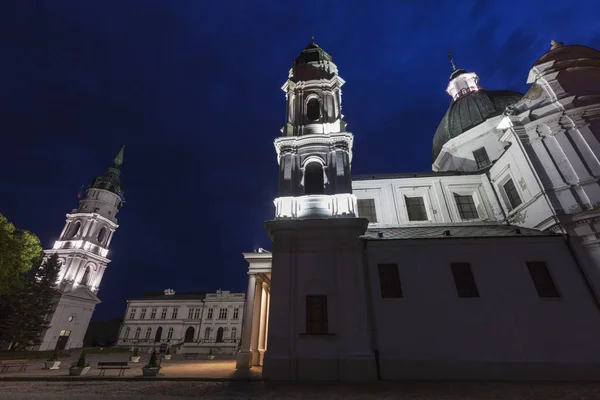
[[24, 314], [20, 250]]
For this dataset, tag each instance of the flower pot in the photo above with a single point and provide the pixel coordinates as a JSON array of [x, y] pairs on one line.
[[52, 364], [134, 359], [167, 356], [150, 371], [78, 371]]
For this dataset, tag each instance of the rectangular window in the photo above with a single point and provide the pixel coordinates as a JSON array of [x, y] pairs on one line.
[[366, 209], [190, 313], [236, 313], [481, 158], [464, 280], [197, 313], [143, 314], [511, 193], [466, 206], [415, 206], [210, 313], [316, 315], [174, 315], [389, 281], [544, 284], [132, 313], [153, 313], [163, 314], [223, 313]]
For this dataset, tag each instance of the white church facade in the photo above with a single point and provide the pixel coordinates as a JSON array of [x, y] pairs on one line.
[[486, 268]]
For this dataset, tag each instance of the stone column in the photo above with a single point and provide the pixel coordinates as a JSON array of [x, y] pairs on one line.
[[244, 356], [268, 292], [256, 318], [263, 323]]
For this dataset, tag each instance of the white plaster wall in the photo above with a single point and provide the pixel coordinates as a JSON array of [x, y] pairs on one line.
[[66, 307]]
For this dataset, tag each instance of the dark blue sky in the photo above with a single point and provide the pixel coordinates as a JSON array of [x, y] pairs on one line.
[[192, 88]]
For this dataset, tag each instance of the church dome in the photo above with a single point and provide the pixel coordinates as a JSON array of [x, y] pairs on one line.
[[470, 110], [312, 53], [560, 52]]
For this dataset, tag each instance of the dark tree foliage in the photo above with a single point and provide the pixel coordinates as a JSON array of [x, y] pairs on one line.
[[24, 314]]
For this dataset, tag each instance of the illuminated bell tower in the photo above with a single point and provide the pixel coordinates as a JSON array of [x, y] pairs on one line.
[[82, 250], [315, 151]]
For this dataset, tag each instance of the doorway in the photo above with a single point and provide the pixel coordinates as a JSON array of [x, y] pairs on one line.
[[158, 334], [189, 335], [219, 335], [63, 338]]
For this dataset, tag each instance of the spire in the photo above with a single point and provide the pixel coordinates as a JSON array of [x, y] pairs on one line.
[[451, 61], [119, 158]]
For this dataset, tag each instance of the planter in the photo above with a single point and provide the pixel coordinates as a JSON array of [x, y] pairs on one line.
[[134, 359], [52, 364], [167, 356], [210, 357], [78, 371], [150, 371]]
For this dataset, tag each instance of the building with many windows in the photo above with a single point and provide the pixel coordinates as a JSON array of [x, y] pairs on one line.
[[190, 322], [486, 268]]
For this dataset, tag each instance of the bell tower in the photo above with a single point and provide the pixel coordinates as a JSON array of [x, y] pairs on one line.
[[82, 249]]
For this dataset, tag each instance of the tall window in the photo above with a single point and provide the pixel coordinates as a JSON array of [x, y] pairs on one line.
[[158, 334], [512, 194], [316, 315], [313, 179], [101, 235], [132, 313], [223, 313], [233, 333], [86, 277], [197, 313], [174, 315], [138, 331], [481, 158], [153, 313], [236, 313], [163, 313], [207, 333], [415, 206], [209, 315], [464, 280], [126, 334], [148, 333], [190, 313], [466, 206], [73, 229], [389, 281], [544, 284], [170, 334], [313, 109], [143, 314], [366, 209]]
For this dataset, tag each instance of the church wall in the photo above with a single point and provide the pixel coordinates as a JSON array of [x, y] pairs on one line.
[[67, 307], [507, 332]]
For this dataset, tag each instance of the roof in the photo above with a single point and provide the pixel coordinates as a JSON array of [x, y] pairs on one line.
[[176, 296], [570, 52], [312, 53], [111, 179], [369, 177], [455, 231], [469, 111]]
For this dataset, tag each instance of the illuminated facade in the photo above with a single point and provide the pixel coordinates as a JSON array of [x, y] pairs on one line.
[[82, 249], [486, 268]]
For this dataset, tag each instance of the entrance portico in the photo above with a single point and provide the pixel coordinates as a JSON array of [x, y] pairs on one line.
[[256, 314]]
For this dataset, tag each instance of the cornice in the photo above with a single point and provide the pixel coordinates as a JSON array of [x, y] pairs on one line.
[[93, 216], [286, 144]]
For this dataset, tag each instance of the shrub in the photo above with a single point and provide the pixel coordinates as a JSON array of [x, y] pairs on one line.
[[81, 362], [55, 355], [152, 363]]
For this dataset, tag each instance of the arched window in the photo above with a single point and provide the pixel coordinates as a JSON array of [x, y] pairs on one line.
[[101, 235], [73, 229], [126, 334], [170, 334], [189, 335], [313, 109], [86, 276], [207, 333], [138, 331], [219, 335], [148, 333], [233, 332], [313, 179], [158, 334]]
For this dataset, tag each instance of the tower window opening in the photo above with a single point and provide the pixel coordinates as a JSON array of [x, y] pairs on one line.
[[74, 229], [313, 179], [313, 109], [101, 235]]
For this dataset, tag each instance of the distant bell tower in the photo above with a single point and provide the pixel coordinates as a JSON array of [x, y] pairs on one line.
[[82, 249], [315, 151]]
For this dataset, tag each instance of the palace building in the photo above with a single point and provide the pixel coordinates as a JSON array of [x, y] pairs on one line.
[[485, 268]]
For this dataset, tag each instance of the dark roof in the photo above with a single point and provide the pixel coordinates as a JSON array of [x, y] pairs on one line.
[[312, 53], [570, 52], [469, 111], [373, 177], [111, 179], [464, 230], [176, 296]]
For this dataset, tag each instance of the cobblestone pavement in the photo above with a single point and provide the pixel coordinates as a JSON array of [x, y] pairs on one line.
[[265, 390]]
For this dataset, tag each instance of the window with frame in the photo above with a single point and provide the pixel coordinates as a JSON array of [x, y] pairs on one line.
[[170, 334], [174, 315], [132, 313], [207, 333], [481, 158], [223, 313], [138, 331], [153, 313], [190, 313], [542, 279], [143, 314], [126, 334], [209, 315], [316, 315], [236, 313], [314, 182], [163, 314], [148, 333], [512, 194], [464, 280], [366, 209], [389, 281], [233, 333], [197, 313], [415, 207], [466, 207]]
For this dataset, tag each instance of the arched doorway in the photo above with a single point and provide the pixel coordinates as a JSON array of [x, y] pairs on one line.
[[219, 335], [158, 334], [189, 335], [313, 179]]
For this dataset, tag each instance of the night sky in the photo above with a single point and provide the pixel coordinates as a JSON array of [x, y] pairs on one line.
[[192, 88]]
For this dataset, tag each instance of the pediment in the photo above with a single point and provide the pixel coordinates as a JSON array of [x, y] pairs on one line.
[[83, 293]]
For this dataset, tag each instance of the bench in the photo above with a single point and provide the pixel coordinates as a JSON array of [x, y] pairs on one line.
[[6, 364], [187, 356], [120, 365]]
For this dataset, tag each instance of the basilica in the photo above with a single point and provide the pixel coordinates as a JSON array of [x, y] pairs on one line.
[[485, 268]]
